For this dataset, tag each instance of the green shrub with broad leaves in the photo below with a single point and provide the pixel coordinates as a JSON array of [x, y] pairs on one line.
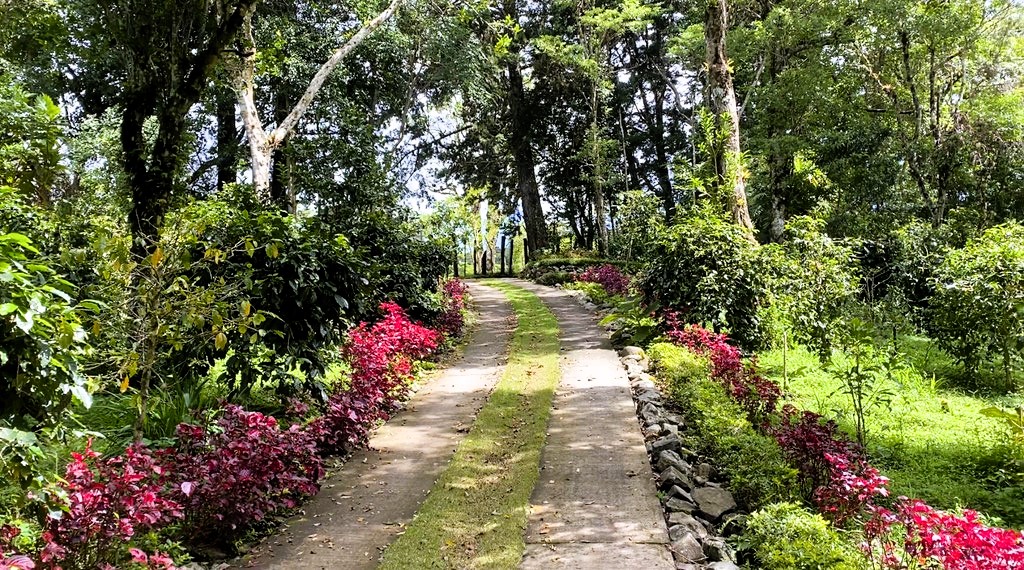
[[815, 278], [287, 291], [977, 311], [786, 536], [43, 344], [710, 271]]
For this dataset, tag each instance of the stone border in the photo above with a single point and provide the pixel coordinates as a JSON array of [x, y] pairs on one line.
[[698, 510]]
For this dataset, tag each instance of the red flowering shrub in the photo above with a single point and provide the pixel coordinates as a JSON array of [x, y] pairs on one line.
[[108, 502], [381, 357], [452, 321], [249, 468], [607, 276]]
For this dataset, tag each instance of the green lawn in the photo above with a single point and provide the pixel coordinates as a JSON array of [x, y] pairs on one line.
[[475, 515], [932, 442]]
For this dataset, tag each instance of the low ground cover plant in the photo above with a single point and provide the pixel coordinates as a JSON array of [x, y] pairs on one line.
[[836, 476], [609, 277]]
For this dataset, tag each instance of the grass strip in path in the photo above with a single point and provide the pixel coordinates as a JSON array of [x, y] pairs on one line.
[[475, 515]]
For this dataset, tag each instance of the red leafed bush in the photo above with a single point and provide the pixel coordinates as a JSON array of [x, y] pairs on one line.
[[108, 502], [15, 562], [247, 469], [382, 354], [451, 321], [8, 559], [916, 535], [808, 439], [725, 358], [758, 395], [607, 276], [381, 357]]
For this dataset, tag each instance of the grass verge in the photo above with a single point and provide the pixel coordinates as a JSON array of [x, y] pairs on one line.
[[475, 515], [933, 443]]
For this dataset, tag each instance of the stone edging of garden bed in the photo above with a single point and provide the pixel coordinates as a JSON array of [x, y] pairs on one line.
[[698, 510]]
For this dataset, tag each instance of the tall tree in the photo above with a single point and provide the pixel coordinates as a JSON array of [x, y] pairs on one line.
[[159, 60], [721, 99]]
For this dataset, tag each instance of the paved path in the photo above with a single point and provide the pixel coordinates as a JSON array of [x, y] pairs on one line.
[[361, 509], [595, 505]]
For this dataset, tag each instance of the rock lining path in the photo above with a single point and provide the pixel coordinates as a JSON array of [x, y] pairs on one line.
[[595, 505], [361, 509]]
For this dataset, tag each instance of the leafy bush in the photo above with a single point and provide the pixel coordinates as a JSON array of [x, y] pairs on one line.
[[559, 265], [683, 366], [381, 357], [608, 277], [785, 536], [248, 468], [979, 299], [593, 291], [304, 284], [816, 279], [708, 270], [404, 266], [552, 278], [722, 430], [43, 339], [108, 503], [633, 321]]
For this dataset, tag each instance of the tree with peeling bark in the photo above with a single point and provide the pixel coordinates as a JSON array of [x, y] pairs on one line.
[[721, 99], [263, 144]]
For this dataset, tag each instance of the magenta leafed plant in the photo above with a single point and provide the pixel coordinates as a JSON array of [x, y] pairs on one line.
[[245, 470], [914, 534], [607, 276], [451, 321], [725, 358], [381, 356], [8, 559], [108, 502], [758, 395]]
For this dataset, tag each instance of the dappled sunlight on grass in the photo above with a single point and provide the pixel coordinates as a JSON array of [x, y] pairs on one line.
[[932, 442], [476, 513]]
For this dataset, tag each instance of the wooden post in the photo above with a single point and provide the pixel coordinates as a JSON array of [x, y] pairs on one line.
[[512, 256], [503, 255]]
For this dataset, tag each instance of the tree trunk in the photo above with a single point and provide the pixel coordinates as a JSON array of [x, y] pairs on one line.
[[522, 150], [661, 154], [512, 255], [227, 139], [596, 155], [262, 145], [721, 99]]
